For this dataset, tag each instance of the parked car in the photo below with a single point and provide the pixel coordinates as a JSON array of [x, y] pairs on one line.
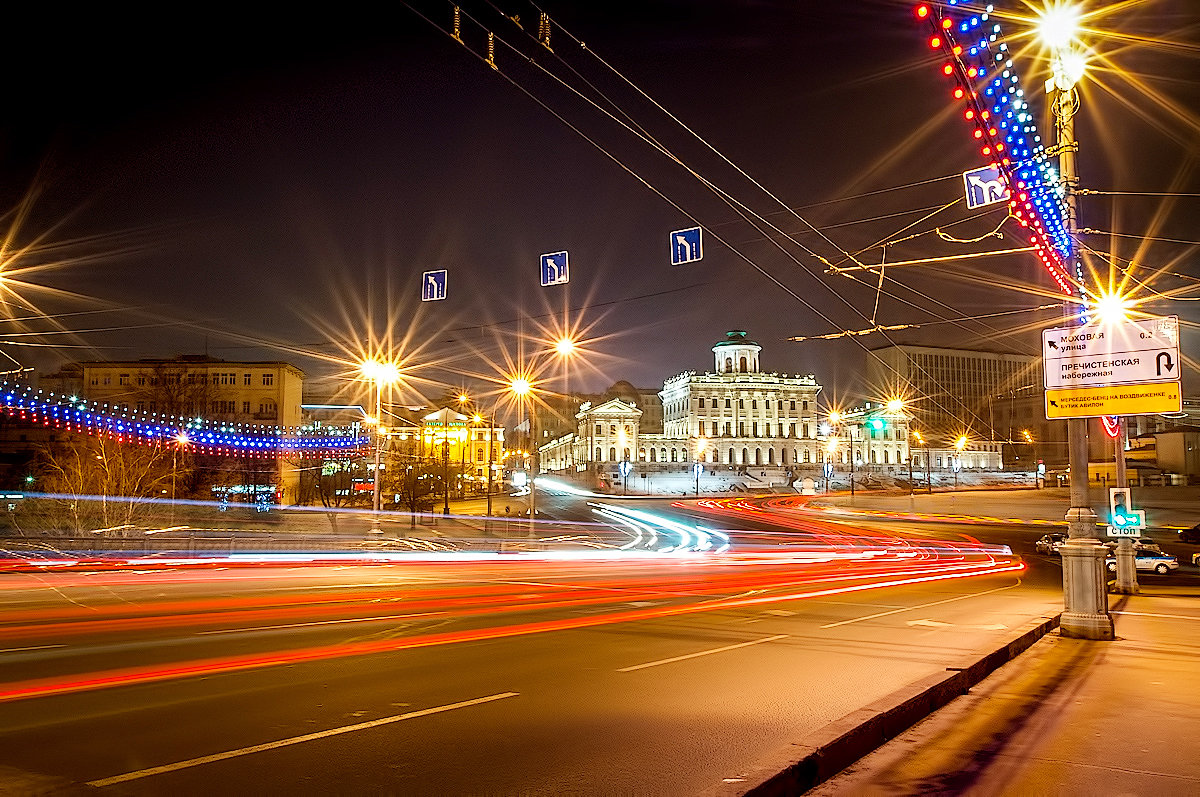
[[1196, 559], [1155, 561], [1139, 544], [1191, 535], [1050, 543]]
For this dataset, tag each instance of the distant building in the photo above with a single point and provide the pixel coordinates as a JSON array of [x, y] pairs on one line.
[[736, 415], [955, 391], [264, 394]]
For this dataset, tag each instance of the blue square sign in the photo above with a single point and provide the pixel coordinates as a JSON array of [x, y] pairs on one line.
[[686, 246], [554, 269], [433, 286], [984, 186]]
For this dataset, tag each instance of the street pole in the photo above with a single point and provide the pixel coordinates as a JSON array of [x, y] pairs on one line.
[[378, 445], [928, 472], [850, 437], [491, 434], [1126, 583], [1085, 600], [446, 472]]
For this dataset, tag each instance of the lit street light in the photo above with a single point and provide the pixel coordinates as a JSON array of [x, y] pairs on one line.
[[380, 374]]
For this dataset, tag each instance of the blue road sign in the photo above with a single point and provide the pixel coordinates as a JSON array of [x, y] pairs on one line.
[[984, 187], [433, 286], [554, 269], [828, 469], [686, 246]]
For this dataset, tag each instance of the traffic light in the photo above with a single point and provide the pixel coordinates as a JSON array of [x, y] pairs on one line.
[[1121, 515]]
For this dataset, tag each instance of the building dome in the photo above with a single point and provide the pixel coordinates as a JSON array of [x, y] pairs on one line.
[[736, 354]]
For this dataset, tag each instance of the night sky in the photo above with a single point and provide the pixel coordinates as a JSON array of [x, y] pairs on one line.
[[272, 187]]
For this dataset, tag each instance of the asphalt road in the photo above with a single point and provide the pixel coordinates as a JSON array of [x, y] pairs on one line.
[[525, 677]]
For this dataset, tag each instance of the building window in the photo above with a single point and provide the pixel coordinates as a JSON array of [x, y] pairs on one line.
[[599, 455], [245, 407], [742, 365], [741, 404], [714, 428], [107, 379], [141, 380], [268, 380], [612, 454], [805, 429], [792, 405], [700, 403], [805, 405], [599, 429], [726, 401], [123, 379], [141, 406], [753, 404], [267, 409], [246, 380]]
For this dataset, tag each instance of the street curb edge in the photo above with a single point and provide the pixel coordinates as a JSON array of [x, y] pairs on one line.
[[830, 749]]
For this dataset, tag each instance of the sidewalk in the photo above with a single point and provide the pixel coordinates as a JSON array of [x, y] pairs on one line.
[[1067, 717]]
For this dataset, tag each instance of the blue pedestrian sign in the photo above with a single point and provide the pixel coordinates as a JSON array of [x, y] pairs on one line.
[[686, 246], [433, 286], [984, 187], [554, 269]]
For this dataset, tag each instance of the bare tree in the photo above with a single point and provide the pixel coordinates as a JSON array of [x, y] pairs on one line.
[[98, 483]]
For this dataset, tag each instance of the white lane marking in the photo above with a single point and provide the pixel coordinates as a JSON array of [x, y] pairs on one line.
[[1171, 616], [922, 606], [308, 737], [929, 623], [702, 653], [315, 622], [34, 647]]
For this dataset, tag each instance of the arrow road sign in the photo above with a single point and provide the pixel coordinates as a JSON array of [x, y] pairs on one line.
[[1107, 354], [554, 269], [685, 246], [984, 187], [433, 286]]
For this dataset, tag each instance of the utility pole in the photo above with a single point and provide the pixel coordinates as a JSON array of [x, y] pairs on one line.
[[1085, 598]]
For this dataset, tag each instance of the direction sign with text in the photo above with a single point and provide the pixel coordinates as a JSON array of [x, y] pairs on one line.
[[1092, 402], [1102, 355]]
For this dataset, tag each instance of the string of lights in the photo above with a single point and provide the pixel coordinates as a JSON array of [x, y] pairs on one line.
[[73, 414], [988, 85]]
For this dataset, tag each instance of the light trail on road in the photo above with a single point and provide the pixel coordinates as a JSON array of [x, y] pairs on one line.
[[284, 609]]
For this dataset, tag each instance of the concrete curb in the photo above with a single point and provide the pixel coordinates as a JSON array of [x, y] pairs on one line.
[[828, 750]]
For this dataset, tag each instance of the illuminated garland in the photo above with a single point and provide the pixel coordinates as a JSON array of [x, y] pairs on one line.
[[988, 84], [206, 437]]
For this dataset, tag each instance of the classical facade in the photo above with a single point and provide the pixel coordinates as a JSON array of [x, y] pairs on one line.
[[736, 415]]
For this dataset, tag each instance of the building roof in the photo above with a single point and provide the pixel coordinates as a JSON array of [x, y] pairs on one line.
[[735, 337]]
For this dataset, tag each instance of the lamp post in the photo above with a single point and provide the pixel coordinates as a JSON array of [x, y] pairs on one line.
[[379, 373], [1085, 599], [959, 445]]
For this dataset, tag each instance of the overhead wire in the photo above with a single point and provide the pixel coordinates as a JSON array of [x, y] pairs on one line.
[[740, 208]]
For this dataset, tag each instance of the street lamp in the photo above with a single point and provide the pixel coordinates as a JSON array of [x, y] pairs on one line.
[[1085, 596], [380, 374], [959, 445], [522, 388], [928, 466]]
